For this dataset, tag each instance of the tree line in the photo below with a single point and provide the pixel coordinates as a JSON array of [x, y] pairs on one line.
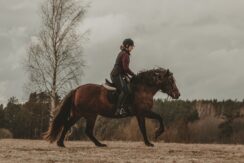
[[26, 120], [182, 122]]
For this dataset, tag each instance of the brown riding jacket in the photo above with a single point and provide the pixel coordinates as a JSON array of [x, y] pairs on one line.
[[121, 66]]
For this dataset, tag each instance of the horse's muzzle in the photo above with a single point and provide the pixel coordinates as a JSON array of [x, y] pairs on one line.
[[175, 95]]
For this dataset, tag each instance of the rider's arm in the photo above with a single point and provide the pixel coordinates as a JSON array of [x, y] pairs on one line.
[[125, 64]]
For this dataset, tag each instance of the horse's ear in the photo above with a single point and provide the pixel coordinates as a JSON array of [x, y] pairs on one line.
[[167, 73]]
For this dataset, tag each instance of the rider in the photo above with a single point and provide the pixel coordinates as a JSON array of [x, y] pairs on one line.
[[120, 71]]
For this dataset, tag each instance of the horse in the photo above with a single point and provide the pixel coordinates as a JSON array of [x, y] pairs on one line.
[[90, 100]]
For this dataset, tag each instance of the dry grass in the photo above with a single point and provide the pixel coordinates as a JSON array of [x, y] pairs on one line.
[[5, 134], [117, 151], [205, 130]]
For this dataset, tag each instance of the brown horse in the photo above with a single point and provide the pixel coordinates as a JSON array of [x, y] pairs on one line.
[[91, 100]]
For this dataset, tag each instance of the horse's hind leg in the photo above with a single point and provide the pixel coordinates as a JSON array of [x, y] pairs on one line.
[[90, 123], [70, 122]]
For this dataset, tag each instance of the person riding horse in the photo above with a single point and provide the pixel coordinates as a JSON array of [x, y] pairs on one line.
[[120, 71], [90, 100]]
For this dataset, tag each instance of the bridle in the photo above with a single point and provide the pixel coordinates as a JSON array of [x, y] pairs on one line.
[[170, 91]]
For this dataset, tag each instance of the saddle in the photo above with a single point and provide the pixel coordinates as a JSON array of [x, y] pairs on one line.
[[109, 85], [113, 92]]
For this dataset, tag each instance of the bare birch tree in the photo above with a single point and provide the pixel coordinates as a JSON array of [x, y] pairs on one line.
[[54, 61]]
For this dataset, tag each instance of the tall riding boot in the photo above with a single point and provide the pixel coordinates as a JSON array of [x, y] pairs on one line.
[[124, 102], [119, 109], [127, 105]]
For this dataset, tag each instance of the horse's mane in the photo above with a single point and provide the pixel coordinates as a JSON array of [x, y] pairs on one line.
[[146, 76]]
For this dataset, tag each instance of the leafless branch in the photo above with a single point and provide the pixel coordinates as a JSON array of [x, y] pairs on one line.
[[55, 61]]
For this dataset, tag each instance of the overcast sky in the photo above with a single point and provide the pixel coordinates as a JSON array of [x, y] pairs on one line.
[[200, 41]]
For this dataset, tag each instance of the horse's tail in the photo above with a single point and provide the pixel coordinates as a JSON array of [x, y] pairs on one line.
[[61, 117]]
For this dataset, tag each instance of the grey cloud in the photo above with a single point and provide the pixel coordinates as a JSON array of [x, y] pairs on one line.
[[200, 41]]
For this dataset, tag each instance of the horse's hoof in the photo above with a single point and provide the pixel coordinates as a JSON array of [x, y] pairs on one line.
[[149, 144], [158, 133], [101, 145], [61, 144]]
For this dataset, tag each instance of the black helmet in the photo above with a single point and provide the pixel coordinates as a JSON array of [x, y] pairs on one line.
[[128, 41]]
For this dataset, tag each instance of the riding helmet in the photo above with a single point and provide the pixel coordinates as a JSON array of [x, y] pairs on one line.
[[129, 42]]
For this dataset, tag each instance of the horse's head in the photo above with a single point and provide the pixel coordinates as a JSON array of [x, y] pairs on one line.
[[165, 81], [160, 78]]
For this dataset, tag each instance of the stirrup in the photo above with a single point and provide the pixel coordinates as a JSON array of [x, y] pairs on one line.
[[120, 112]]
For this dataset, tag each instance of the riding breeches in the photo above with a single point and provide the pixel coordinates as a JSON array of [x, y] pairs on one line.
[[122, 87]]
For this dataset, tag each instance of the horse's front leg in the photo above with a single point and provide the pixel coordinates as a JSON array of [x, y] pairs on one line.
[[141, 122], [152, 115]]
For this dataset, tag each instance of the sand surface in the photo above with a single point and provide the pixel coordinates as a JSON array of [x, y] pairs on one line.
[[22, 151]]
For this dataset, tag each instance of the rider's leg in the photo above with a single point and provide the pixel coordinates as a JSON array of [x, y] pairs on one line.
[[121, 86], [119, 103], [125, 91], [125, 97], [126, 102]]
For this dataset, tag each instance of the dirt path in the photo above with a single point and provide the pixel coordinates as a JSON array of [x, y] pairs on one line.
[[23, 151]]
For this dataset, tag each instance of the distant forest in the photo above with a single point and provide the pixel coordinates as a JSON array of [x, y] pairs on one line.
[[198, 121]]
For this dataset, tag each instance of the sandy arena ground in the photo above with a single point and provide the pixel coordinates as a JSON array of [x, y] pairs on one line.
[[22, 151]]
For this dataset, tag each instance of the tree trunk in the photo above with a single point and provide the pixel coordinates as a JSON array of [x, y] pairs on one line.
[[53, 105]]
